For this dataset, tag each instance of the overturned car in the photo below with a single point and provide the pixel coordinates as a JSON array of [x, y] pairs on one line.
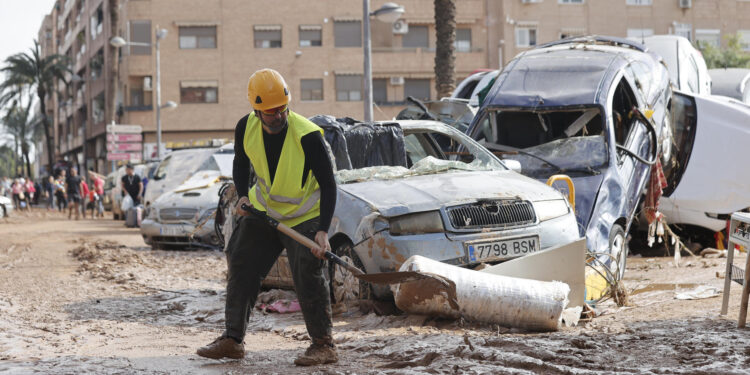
[[595, 109]]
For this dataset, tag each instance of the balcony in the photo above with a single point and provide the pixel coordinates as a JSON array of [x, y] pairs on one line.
[[139, 108]]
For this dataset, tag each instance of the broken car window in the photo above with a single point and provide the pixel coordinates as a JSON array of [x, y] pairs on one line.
[[548, 142]]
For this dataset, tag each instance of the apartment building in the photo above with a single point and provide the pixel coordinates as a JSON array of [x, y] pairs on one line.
[[212, 46], [517, 25]]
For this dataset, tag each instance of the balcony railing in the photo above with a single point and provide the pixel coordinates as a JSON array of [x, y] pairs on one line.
[[137, 108]]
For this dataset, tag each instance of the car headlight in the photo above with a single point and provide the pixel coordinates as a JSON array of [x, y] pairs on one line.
[[423, 222], [546, 210], [205, 215]]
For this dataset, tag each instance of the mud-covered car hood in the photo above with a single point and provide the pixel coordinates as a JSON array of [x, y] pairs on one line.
[[431, 192], [200, 191]]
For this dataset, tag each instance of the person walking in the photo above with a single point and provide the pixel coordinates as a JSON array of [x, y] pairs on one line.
[[97, 193], [30, 191], [295, 185], [18, 196], [84, 196], [73, 189], [132, 185], [60, 194], [49, 193]]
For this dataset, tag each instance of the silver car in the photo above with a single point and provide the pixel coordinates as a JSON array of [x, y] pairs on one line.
[[463, 208], [6, 206], [184, 216]]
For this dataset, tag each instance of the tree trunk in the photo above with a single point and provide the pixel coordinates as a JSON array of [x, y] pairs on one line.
[[114, 13], [51, 151], [445, 58], [28, 163]]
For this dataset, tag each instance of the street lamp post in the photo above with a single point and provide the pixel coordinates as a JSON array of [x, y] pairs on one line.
[[118, 42], [388, 13]]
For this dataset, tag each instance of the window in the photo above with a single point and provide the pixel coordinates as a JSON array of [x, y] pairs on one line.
[[571, 32], [525, 36], [267, 36], [417, 37], [463, 40], [684, 30], [744, 39], [197, 37], [379, 90], [97, 108], [96, 22], [348, 88], [140, 92], [640, 33], [418, 88], [312, 89], [140, 32], [96, 64], [570, 1], [708, 36], [199, 92], [347, 33], [638, 2], [309, 36]]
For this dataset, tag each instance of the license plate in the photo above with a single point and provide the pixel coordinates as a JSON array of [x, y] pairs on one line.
[[502, 249], [174, 230]]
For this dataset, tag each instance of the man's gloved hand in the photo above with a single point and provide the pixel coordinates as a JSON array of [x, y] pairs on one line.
[[321, 238], [238, 208]]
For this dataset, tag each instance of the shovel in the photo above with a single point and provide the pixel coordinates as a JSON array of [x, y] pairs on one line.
[[375, 278]]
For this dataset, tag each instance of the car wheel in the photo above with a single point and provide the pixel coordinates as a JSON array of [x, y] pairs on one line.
[[346, 290], [3, 213], [618, 249]]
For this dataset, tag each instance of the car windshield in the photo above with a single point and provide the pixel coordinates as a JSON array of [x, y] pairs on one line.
[[546, 142], [429, 151]]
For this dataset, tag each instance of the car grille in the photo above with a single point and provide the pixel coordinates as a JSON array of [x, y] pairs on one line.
[[171, 214], [491, 214]]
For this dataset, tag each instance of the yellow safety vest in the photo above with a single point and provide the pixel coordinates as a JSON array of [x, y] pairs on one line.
[[284, 200]]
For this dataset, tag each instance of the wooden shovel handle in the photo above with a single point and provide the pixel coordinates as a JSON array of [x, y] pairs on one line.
[[281, 227]]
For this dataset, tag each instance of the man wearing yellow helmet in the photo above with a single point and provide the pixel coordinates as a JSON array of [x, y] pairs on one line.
[[294, 184]]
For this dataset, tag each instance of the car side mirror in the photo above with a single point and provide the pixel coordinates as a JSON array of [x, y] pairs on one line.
[[513, 165]]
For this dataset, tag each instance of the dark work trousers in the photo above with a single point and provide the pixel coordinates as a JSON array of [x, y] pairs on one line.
[[252, 251]]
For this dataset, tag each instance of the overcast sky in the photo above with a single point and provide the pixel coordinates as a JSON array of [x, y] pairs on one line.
[[19, 24]]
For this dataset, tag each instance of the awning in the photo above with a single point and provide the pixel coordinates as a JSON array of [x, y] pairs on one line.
[[310, 27], [527, 23], [347, 18], [267, 27], [347, 73], [196, 23], [190, 84]]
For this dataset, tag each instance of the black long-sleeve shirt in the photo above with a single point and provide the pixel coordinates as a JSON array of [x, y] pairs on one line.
[[316, 159]]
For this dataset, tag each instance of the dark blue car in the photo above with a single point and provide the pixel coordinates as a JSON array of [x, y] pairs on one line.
[[595, 109]]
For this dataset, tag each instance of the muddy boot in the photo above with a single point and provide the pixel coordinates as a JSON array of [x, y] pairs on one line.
[[320, 352], [223, 347]]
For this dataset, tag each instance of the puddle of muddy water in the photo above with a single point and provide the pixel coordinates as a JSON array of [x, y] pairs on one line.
[[664, 287]]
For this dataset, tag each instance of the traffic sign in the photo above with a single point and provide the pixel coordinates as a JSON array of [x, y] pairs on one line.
[[117, 129], [124, 137], [132, 156], [124, 147]]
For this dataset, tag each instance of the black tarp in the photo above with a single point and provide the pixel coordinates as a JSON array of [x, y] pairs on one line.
[[358, 145]]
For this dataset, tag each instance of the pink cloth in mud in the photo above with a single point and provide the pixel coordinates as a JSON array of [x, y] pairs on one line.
[[282, 306]]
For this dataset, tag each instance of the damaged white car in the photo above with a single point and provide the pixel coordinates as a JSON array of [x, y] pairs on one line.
[[184, 217], [463, 208]]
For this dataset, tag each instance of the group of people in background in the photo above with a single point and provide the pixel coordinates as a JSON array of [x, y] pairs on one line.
[[22, 190], [62, 191]]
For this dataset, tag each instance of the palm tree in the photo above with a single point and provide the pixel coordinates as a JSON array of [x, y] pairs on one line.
[[445, 58], [24, 128], [38, 74]]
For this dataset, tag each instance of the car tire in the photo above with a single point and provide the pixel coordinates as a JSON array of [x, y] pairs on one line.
[[618, 248], [346, 290], [3, 213]]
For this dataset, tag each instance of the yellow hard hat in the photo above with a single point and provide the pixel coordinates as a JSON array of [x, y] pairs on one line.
[[267, 89]]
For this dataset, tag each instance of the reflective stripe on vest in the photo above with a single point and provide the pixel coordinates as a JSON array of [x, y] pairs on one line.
[[284, 200]]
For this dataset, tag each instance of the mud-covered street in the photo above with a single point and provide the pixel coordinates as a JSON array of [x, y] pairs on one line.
[[89, 297]]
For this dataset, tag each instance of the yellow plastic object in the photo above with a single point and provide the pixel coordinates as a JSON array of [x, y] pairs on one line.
[[648, 113], [596, 284], [571, 188], [267, 89]]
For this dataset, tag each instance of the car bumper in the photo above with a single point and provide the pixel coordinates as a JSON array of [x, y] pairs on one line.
[[181, 235], [8, 209]]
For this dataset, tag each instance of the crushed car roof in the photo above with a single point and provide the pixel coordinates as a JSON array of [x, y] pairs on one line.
[[563, 74]]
